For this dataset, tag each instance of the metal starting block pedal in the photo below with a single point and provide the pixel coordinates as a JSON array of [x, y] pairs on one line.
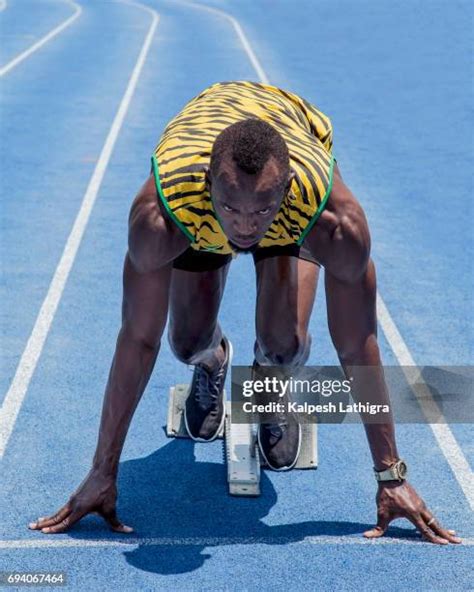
[[242, 456], [241, 449], [175, 426]]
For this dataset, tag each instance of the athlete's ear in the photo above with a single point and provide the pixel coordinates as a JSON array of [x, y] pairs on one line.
[[291, 176], [207, 177]]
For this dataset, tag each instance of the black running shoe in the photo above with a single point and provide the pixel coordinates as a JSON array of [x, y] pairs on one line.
[[279, 437], [204, 412]]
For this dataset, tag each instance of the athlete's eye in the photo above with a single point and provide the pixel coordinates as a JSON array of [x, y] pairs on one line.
[[265, 211], [227, 208]]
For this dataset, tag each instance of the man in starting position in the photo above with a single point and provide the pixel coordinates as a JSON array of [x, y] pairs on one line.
[[244, 168]]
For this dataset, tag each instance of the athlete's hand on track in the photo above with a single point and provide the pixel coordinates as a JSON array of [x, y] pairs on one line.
[[400, 500], [96, 494]]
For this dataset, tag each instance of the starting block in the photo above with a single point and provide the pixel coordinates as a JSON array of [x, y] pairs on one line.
[[241, 449]]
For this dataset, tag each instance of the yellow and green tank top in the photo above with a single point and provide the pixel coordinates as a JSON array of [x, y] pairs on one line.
[[185, 149]]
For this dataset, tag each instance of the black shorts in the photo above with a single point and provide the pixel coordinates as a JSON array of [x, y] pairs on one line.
[[192, 260]]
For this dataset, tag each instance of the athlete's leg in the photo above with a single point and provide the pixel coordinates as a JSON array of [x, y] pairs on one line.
[[286, 289], [194, 332], [196, 338]]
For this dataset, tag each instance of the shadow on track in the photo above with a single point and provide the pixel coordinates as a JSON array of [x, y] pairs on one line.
[[168, 495]]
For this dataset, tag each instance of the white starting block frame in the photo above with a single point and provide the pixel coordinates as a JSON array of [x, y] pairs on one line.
[[241, 448]]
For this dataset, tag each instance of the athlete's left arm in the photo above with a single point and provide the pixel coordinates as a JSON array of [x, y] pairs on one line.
[[340, 241]]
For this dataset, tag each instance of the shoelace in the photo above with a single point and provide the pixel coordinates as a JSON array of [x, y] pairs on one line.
[[208, 386], [277, 429]]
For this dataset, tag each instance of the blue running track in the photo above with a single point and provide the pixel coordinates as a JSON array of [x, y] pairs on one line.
[[396, 80]]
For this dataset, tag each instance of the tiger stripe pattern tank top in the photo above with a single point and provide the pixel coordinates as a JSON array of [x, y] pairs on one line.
[[184, 151]]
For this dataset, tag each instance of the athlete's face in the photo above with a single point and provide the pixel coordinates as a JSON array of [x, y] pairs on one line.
[[246, 204]]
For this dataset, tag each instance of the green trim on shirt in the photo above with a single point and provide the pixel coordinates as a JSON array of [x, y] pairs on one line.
[[314, 219], [172, 215]]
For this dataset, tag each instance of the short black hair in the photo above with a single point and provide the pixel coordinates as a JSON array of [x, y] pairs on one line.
[[250, 143]]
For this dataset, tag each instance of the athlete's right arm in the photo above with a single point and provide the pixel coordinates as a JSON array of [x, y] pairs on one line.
[[146, 281]]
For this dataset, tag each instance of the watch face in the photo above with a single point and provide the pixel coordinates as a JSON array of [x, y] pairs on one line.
[[402, 469]]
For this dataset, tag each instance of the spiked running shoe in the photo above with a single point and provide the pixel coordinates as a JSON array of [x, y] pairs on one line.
[[279, 436], [204, 412]]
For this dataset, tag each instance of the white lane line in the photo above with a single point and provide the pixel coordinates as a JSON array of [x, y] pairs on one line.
[[22, 56], [17, 391], [444, 436], [50, 541]]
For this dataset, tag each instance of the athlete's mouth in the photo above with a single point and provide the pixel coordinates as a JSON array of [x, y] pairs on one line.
[[245, 242], [248, 246]]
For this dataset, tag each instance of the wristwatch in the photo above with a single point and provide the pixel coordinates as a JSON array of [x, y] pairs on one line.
[[397, 472]]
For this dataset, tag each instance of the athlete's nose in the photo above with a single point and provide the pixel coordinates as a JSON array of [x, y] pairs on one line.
[[245, 226]]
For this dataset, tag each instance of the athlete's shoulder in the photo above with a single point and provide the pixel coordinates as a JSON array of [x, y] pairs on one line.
[[153, 240], [342, 211]]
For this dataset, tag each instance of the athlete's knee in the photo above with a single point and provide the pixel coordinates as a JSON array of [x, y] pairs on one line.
[[186, 345], [283, 350], [360, 351], [145, 341]]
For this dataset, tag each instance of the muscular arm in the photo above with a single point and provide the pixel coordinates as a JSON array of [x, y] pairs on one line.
[[340, 240], [153, 239], [353, 327], [144, 313], [153, 244]]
